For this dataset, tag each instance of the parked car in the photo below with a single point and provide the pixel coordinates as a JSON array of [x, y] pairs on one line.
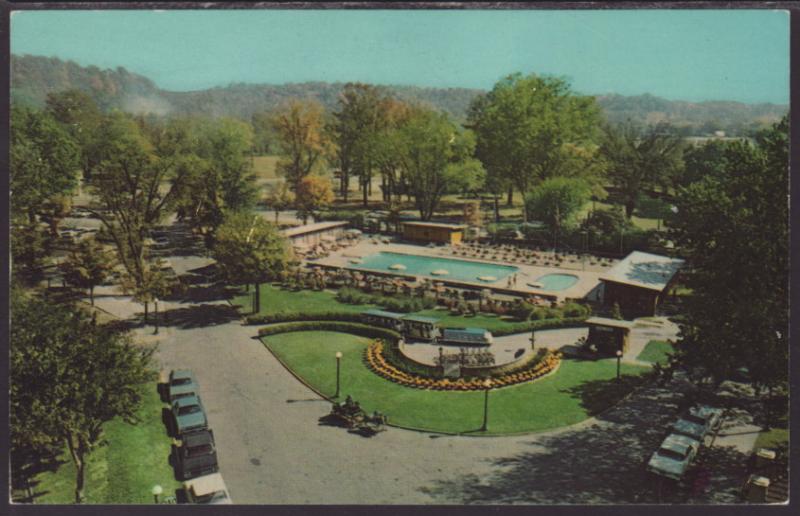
[[188, 415], [208, 489], [709, 417], [672, 459], [196, 455], [181, 383], [696, 431]]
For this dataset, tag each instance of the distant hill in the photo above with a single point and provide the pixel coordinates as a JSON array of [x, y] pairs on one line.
[[33, 77]]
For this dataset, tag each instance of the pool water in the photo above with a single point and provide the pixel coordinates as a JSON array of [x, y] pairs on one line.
[[459, 270], [557, 281]]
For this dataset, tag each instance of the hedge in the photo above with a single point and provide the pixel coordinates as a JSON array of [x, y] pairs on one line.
[[545, 324], [362, 330], [280, 317]]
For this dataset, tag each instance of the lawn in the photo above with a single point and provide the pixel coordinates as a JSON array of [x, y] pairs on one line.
[[772, 438], [124, 469], [264, 166], [275, 299], [656, 351], [577, 390]]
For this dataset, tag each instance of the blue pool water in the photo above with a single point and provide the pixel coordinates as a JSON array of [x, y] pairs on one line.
[[459, 270], [557, 281]]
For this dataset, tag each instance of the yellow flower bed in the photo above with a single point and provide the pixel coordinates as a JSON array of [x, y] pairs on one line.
[[377, 362]]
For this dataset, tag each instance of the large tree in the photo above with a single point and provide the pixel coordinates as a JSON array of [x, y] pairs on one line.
[[69, 376], [356, 126], [434, 153], [733, 230], [279, 197], [87, 266], [523, 124], [639, 159], [80, 116], [556, 201], [249, 249], [299, 126], [44, 161], [132, 185], [314, 193]]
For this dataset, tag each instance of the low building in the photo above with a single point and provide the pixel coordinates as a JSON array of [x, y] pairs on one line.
[[609, 335], [435, 232], [640, 282], [313, 234]]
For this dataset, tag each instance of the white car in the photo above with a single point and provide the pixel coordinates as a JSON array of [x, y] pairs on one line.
[[672, 459], [208, 489], [709, 417]]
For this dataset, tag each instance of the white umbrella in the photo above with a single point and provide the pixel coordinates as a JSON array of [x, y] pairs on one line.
[[487, 278], [440, 272], [397, 267]]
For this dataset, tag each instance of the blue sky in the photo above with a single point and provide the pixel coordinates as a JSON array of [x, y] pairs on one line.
[[695, 55]]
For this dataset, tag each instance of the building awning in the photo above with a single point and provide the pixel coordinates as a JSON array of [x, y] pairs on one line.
[[611, 323], [382, 313], [644, 270], [420, 319]]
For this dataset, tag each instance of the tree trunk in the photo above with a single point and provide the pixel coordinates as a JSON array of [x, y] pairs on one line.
[[258, 297], [366, 192], [629, 207], [510, 201], [145, 312], [497, 209], [276, 216], [76, 453], [91, 295]]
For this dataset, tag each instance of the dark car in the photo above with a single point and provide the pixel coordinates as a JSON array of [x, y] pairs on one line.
[[181, 383], [197, 455], [188, 415]]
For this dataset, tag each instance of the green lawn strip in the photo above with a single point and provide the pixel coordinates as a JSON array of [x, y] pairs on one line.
[[772, 438], [132, 459], [275, 300], [656, 351], [561, 399]]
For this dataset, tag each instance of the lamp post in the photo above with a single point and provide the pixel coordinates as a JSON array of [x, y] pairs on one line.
[[155, 302], [619, 359], [533, 339], [338, 369], [488, 385], [157, 490]]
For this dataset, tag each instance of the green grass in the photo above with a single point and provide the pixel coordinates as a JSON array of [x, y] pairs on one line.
[[656, 351], [132, 459], [275, 300], [576, 391], [772, 438], [264, 166]]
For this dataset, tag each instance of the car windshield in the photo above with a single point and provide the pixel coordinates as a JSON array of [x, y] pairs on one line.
[[191, 409], [203, 449], [181, 381], [670, 454], [695, 419]]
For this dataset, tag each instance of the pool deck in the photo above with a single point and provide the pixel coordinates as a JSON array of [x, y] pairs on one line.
[[588, 280]]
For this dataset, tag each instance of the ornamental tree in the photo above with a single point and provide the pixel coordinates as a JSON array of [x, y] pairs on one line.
[[69, 376], [249, 249]]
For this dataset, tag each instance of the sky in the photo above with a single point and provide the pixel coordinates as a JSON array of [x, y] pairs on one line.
[[693, 55]]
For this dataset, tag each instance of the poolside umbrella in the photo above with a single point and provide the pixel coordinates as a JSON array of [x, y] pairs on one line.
[[397, 267], [487, 279], [440, 272]]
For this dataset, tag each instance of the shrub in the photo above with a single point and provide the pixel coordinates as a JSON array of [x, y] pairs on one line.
[[362, 330], [523, 311], [546, 324], [280, 317], [575, 310]]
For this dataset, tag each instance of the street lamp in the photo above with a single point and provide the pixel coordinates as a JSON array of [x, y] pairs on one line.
[[533, 339], [338, 369], [155, 302], [157, 490], [619, 359], [488, 385]]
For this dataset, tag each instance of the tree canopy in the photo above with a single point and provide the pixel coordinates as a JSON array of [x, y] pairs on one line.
[[299, 126], [556, 201], [523, 125], [733, 231]]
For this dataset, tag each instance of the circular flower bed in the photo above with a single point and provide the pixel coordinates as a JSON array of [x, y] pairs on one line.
[[377, 362]]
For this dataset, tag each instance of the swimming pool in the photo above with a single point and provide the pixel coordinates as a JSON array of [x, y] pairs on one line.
[[437, 268], [557, 281]]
